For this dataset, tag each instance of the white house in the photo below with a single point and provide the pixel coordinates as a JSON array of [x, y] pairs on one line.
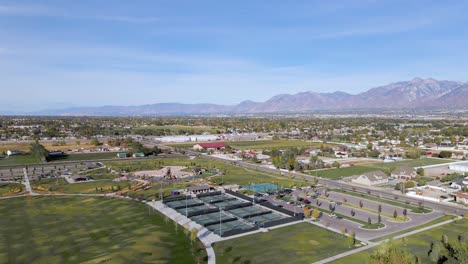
[[462, 197], [404, 172], [370, 178]]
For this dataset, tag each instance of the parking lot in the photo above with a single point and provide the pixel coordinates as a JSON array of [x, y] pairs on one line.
[[343, 204]]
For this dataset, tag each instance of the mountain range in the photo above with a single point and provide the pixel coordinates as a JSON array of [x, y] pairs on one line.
[[414, 94]]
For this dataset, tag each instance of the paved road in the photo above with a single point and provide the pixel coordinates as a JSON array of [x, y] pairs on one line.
[[27, 184], [371, 245], [449, 208]]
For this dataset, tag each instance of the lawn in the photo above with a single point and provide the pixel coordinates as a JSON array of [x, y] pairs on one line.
[[10, 189], [19, 159], [299, 243], [89, 230], [60, 185], [387, 167], [418, 244], [259, 144]]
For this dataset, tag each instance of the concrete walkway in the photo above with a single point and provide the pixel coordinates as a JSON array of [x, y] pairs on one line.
[[371, 245], [205, 236], [27, 184]]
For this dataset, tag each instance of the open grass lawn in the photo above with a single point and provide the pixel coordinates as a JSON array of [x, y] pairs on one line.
[[10, 189], [19, 159], [26, 146], [418, 244], [85, 156], [359, 169], [233, 174], [60, 185], [299, 243], [88, 230]]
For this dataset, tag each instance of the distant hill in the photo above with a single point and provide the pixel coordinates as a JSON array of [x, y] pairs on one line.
[[414, 94]]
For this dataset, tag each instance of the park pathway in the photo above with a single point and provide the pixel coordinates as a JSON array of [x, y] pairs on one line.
[[27, 184], [205, 236], [371, 245]]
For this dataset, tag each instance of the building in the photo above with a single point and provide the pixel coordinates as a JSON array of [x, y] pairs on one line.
[[462, 197], [461, 167], [404, 172], [459, 183], [121, 155], [370, 178], [198, 189], [138, 155], [210, 146]]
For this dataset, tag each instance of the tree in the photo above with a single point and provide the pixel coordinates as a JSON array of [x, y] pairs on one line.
[[361, 204], [351, 239], [395, 214], [193, 235], [380, 208], [39, 151], [94, 142], [353, 212], [446, 251], [405, 212], [336, 164], [316, 214], [390, 253], [369, 220], [445, 154], [420, 171]]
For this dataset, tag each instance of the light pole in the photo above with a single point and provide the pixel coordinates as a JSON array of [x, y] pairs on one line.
[[186, 201], [220, 229]]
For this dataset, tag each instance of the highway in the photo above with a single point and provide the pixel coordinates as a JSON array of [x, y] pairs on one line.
[[442, 207]]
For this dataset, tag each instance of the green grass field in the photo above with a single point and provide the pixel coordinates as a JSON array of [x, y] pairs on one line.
[[88, 230], [10, 189], [359, 169], [19, 159], [259, 144], [86, 156], [299, 243], [418, 244]]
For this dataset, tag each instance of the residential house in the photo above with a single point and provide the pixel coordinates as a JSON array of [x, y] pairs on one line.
[[370, 178], [459, 183], [462, 197], [404, 172]]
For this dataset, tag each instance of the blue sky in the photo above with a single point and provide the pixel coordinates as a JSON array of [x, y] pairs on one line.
[[87, 53]]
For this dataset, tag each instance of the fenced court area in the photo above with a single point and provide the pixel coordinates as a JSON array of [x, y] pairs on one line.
[[261, 187], [213, 218], [225, 214]]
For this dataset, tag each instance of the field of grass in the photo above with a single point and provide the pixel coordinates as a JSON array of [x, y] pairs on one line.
[[25, 146], [418, 244], [86, 156], [89, 230], [60, 185], [299, 243], [233, 174], [387, 167], [10, 189], [259, 144], [433, 222], [19, 159]]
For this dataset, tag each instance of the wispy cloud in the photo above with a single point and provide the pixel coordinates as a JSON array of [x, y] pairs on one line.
[[127, 19]]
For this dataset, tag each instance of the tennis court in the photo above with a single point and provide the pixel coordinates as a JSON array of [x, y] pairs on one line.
[[228, 226], [216, 198], [265, 218], [194, 209], [213, 218], [182, 203], [249, 211], [261, 187], [229, 203]]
